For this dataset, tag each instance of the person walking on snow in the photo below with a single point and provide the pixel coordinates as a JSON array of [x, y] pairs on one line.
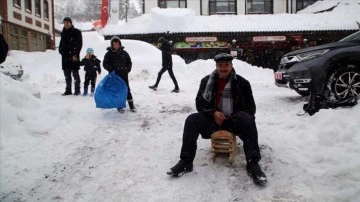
[[167, 64], [69, 48], [92, 68], [118, 60], [224, 101]]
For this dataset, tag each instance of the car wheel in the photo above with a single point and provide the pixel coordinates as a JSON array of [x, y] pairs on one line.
[[345, 82]]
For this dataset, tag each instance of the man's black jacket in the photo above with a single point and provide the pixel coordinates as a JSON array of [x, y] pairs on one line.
[[243, 99], [118, 61], [70, 45], [166, 52]]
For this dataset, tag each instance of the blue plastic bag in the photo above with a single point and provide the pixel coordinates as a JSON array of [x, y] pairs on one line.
[[111, 92]]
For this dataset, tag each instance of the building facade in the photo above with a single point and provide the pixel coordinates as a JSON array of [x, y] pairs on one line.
[[28, 25], [234, 7]]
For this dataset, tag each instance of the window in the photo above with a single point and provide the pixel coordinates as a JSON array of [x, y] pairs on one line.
[[14, 38], [172, 3], [222, 7], [46, 10], [23, 40], [28, 7], [37, 8], [259, 7], [301, 4], [34, 45], [17, 3]]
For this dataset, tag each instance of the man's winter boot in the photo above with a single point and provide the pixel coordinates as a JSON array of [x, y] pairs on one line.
[[67, 92], [254, 171], [132, 107], [121, 110], [176, 90], [180, 168], [85, 91], [154, 87], [77, 92]]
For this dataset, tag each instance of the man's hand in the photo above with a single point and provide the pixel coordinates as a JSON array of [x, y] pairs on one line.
[[219, 117], [74, 58]]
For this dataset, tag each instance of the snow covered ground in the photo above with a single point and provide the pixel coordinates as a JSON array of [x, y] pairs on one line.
[[56, 148]]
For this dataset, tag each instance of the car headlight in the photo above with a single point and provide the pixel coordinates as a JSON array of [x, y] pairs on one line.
[[288, 59], [311, 54]]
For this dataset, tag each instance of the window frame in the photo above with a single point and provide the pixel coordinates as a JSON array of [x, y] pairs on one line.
[[17, 3], [213, 4], [164, 3], [14, 37], [301, 3], [46, 9], [38, 8], [23, 40], [267, 3], [28, 6]]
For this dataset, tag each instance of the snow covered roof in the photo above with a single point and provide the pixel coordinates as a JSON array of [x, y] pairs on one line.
[[344, 16], [330, 5]]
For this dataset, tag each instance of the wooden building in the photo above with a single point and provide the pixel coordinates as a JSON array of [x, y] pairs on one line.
[[28, 25]]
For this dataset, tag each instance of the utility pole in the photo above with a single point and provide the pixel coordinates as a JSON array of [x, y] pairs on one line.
[[126, 5]]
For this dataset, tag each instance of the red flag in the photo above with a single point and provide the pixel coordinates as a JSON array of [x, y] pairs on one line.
[[104, 12]]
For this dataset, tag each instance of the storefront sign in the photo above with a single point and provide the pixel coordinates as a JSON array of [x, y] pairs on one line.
[[268, 38], [192, 45], [200, 39]]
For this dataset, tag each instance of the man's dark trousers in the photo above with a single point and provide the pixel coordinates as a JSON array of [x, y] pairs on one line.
[[68, 79], [241, 124]]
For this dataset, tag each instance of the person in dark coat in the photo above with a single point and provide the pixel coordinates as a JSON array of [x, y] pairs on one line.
[[167, 64], [233, 49], [4, 48], [118, 60], [69, 48], [224, 101], [91, 67]]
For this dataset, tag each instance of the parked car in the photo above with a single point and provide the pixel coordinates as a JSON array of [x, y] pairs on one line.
[[332, 70], [12, 67]]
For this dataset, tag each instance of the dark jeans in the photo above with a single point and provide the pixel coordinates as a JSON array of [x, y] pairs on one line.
[[167, 67], [90, 77], [126, 80], [242, 124], [68, 79]]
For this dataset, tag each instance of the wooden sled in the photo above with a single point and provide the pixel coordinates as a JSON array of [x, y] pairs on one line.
[[223, 142]]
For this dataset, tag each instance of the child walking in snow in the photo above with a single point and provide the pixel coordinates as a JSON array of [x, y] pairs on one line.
[[118, 60], [92, 68]]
